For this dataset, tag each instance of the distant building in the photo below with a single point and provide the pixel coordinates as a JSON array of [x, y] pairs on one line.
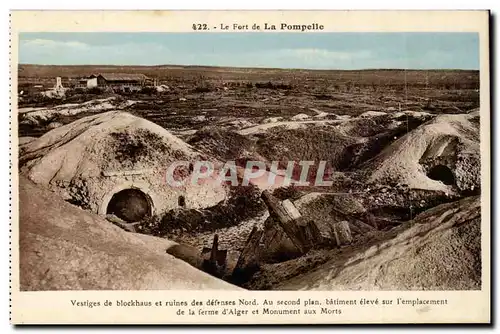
[[121, 81], [58, 85], [92, 82], [86, 83], [81, 83]]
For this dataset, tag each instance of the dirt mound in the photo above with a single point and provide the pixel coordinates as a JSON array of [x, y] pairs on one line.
[[271, 120], [365, 126], [411, 113], [438, 250], [322, 144], [375, 134], [372, 113], [314, 204], [65, 248], [345, 144], [37, 121], [221, 143], [300, 117], [92, 159], [42, 115], [451, 141]]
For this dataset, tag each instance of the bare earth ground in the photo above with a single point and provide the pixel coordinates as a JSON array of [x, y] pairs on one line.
[[338, 92], [363, 123]]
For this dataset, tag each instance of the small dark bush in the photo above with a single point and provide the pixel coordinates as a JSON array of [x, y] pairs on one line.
[[148, 90], [322, 96], [95, 91], [202, 89], [270, 85], [264, 85], [38, 100]]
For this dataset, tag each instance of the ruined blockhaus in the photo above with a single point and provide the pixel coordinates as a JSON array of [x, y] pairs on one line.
[[116, 163]]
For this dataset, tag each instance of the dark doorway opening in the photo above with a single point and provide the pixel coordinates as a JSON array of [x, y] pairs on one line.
[[131, 205], [181, 201], [442, 173]]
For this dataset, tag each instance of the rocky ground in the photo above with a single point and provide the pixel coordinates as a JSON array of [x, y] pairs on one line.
[[405, 169]]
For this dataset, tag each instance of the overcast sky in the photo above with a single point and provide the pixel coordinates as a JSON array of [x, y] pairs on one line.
[[278, 50]]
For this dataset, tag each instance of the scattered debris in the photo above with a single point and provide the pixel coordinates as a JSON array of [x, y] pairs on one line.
[[342, 233], [300, 117], [129, 227], [162, 88], [248, 262], [272, 120], [214, 259], [372, 114]]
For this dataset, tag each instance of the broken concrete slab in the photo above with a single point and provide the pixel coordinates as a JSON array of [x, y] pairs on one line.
[[291, 209], [342, 233]]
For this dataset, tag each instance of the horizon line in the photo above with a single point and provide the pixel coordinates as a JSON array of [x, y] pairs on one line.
[[263, 68]]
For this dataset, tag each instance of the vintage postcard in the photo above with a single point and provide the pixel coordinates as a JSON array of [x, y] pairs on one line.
[[250, 167]]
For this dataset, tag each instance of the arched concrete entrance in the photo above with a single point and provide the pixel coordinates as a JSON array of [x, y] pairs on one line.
[[136, 195], [131, 205], [442, 173]]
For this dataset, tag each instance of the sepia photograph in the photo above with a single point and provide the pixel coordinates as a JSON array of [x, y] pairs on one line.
[[227, 157], [244, 125]]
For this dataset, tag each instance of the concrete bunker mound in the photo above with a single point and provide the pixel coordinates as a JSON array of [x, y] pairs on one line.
[[441, 154], [117, 162]]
